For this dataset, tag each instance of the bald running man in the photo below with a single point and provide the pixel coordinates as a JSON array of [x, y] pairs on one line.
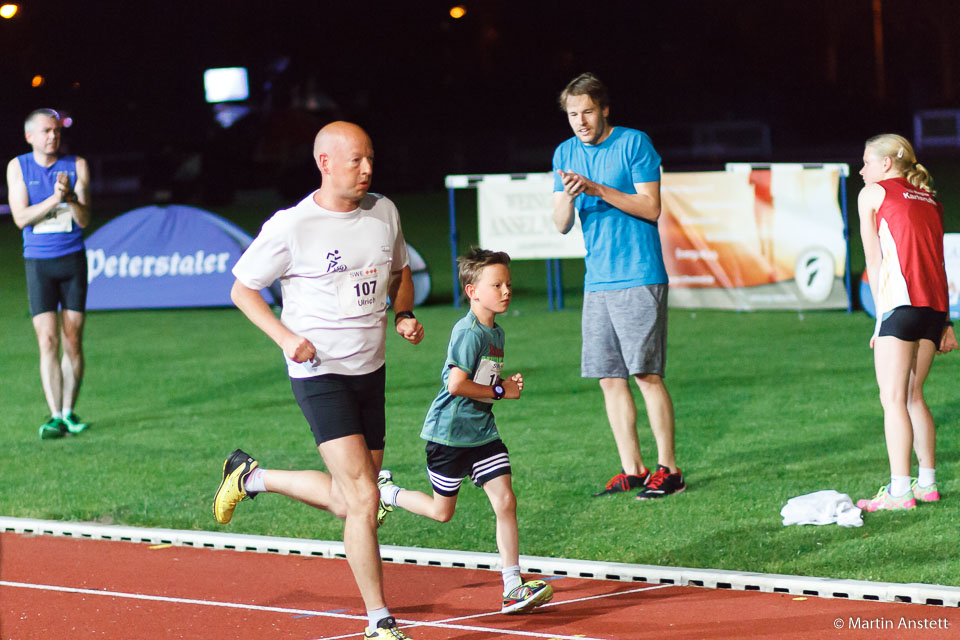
[[339, 254]]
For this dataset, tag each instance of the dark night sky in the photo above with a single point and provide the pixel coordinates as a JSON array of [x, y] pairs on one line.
[[478, 94]]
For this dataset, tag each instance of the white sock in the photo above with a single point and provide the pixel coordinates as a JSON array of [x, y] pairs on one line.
[[927, 477], [511, 578], [254, 482], [375, 616], [388, 494], [899, 486]]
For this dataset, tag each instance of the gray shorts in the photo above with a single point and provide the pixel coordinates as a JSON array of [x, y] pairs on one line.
[[624, 332]]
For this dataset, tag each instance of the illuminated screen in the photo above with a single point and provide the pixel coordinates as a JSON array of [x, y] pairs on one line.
[[225, 85]]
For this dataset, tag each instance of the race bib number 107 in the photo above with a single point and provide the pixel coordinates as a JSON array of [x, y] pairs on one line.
[[363, 291]]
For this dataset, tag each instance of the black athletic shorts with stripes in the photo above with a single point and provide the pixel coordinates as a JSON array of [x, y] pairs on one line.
[[57, 283], [448, 466], [337, 406], [914, 323]]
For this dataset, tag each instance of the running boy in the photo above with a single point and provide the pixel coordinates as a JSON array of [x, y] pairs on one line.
[[461, 435]]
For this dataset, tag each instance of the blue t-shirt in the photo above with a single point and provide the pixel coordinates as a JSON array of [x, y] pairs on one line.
[[457, 421], [622, 251], [40, 183]]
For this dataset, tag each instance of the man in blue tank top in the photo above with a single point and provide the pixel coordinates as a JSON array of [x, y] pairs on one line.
[[49, 199], [610, 176]]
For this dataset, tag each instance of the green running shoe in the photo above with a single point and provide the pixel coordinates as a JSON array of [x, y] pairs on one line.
[[53, 428], [74, 423]]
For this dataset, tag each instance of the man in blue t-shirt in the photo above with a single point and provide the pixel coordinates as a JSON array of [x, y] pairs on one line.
[[49, 200], [610, 176]]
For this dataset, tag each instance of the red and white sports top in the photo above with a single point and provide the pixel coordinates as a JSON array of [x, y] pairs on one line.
[[910, 224]]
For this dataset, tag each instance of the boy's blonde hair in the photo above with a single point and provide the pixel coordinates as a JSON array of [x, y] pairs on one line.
[[471, 265], [900, 151]]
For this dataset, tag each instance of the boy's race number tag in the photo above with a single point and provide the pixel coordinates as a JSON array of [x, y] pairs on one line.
[[362, 291], [487, 373]]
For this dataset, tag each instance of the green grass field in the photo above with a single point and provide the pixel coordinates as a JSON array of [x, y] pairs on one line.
[[769, 406]]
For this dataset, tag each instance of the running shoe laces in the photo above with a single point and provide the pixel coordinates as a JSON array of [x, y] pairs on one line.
[[658, 478], [623, 482]]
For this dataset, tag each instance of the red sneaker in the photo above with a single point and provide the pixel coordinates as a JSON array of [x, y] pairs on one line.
[[624, 482], [662, 483]]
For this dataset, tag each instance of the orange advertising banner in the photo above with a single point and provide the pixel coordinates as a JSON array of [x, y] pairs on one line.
[[756, 239]]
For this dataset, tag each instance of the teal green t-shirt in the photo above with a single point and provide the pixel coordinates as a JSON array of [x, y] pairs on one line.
[[463, 422]]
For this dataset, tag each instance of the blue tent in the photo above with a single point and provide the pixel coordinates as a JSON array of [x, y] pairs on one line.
[[179, 256], [165, 257]]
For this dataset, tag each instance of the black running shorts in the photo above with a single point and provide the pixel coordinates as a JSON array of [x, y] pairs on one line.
[[57, 283], [337, 406], [914, 323], [447, 466]]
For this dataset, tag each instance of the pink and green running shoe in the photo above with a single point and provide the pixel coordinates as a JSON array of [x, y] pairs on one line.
[[924, 494], [884, 501]]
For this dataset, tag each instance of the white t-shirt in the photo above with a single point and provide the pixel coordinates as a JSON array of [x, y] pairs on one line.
[[334, 269]]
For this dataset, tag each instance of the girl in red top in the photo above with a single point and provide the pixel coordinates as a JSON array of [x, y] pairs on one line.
[[901, 225]]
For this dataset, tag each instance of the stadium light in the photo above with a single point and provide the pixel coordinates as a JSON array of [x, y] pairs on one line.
[[458, 12], [37, 81], [8, 10]]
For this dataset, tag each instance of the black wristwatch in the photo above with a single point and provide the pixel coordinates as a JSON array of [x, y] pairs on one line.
[[498, 391], [400, 315]]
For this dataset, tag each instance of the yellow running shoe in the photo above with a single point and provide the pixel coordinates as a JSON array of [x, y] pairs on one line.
[[384, 478], [236, 468], [387, 629]]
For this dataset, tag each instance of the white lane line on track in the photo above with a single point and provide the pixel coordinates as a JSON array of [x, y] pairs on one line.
[[446, 622], [609, 595], [557, 603], [821, 587], [208, 603], [441, 624]]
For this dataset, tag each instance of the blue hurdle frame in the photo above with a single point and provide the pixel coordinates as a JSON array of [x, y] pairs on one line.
[[554, 269]]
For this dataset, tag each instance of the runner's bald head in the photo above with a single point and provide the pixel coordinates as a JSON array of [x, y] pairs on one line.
[[344, 155], [335, 134]]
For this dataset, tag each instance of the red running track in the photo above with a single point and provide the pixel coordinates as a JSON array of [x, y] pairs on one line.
[[64, 588]]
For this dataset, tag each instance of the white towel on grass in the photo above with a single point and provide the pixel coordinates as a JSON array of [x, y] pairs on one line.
[[822, 507]]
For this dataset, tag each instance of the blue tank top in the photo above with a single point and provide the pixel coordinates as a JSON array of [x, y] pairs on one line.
[[40, 183]]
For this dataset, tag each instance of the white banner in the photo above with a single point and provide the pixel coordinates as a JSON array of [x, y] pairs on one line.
[[951, 259], [750, 239], [761, 239], [516, 216]]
